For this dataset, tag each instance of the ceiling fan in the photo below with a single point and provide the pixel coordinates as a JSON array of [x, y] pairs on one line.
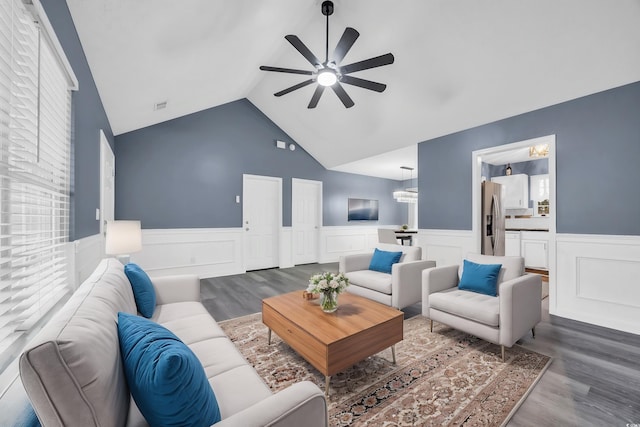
[[331, 73]]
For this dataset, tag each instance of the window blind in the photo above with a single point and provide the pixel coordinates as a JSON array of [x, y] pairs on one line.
[[35, 112]]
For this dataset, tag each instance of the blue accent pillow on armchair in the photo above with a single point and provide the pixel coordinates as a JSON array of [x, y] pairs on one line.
[[143, 291], [166, 380], [383, 260], [480, 278]]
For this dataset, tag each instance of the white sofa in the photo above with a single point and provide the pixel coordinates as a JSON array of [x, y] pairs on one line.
[[401, 288], [73, 373]]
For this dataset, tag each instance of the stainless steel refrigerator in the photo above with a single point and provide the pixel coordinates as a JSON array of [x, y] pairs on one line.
[[492, 219]]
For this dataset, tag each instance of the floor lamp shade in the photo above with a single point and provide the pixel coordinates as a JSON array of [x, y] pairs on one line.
[[123, 237]]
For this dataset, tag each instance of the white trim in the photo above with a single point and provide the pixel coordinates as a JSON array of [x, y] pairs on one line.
[[476, 170], [55, 43]]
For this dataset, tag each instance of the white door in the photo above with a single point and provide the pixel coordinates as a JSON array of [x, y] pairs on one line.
[[306, 219], [107, 182], [261, 219]]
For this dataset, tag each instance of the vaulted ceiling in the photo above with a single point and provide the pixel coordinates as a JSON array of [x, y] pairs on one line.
[[458, 64]]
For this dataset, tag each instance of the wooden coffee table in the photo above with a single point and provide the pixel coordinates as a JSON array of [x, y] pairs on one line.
[[332, 342]]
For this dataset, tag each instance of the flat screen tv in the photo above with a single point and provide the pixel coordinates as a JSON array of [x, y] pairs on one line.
[[363, 210]]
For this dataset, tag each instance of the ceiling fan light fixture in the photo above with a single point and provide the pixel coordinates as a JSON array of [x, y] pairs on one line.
[[327, 78]]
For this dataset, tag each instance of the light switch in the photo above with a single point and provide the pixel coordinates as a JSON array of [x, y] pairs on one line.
[[97, 214], [237, 199]]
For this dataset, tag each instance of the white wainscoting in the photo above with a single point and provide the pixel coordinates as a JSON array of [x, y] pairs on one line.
[[87, 254], [286, 247], [598, 280], [445, 247], [207, 252], [336, 241]]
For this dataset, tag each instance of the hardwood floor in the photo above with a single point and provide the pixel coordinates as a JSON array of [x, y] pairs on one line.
[[594, 379]]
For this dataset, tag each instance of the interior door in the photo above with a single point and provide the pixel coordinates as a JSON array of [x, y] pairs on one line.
[[261, 219], [107, 183], [306, 219]]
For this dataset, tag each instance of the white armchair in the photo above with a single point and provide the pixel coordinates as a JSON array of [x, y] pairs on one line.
[[501, 320], [401, 288]]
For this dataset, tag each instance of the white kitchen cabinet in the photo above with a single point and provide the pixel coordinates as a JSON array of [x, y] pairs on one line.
[[534, 247], [512, 243], [515, 190]]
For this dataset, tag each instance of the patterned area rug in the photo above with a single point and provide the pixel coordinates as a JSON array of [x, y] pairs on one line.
[[442, 378]]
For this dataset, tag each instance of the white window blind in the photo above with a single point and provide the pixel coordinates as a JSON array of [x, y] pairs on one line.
[[35, 111]]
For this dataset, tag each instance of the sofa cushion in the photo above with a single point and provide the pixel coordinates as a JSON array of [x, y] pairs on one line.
[[143, 290], [481, 278], [470, 305], [165, 378], [379, 282], [72, 370], [383, 260]]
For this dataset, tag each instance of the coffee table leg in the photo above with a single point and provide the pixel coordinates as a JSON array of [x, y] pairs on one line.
[[393, 353], [327, 378], [269, 336]]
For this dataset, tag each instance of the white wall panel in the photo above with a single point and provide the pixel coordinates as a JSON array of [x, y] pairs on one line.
[[88, 252], [206, 252], [598, 280], [445, 247], [336, 241]]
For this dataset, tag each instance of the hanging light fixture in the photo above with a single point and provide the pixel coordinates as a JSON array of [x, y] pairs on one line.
[[408, 195], [541, 150]]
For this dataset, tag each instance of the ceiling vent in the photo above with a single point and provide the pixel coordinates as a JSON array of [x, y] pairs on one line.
[[160, 105]]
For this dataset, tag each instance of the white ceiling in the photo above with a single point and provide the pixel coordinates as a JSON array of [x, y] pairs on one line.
[[458, 64]]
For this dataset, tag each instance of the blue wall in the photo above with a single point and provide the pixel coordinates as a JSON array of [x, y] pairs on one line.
[[186, 172], [597, 157], [88, 118]]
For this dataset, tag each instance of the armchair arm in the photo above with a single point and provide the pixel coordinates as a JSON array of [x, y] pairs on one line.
[[301, 404], [436, 280], [520, 307], [355, 262], [406, 282], [176, 288]]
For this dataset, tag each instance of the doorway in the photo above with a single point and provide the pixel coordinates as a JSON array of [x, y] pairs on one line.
[[306, 219], [262, 220], [506, 151], [107, 183]]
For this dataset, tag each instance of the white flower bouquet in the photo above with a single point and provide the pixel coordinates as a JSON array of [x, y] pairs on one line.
[[328, 285], [328, 282]]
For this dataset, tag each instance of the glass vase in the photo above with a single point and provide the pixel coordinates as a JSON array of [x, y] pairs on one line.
[[329, 301]]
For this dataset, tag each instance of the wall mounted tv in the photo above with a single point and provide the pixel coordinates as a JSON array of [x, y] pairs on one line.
[[363, 210]]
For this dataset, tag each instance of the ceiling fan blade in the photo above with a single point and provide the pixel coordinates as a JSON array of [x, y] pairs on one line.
[[367, 84], [378, 61], [300, 47], [339, 90], [316, 97], [347, 40], [285, 70], [294, 87]]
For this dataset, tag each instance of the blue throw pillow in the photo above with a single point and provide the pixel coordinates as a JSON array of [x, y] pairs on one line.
[[166, 380], [383, 260], [143, 290], [480, 278]]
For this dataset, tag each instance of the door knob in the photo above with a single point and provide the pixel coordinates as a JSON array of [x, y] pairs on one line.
[[247, 228]]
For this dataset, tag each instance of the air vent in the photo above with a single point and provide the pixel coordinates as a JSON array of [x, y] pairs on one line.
[[160, 105]]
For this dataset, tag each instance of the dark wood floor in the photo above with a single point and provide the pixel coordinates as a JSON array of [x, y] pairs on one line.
[[594, 379]]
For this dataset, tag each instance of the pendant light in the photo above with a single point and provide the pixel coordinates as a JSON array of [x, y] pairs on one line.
[[408, 195]]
